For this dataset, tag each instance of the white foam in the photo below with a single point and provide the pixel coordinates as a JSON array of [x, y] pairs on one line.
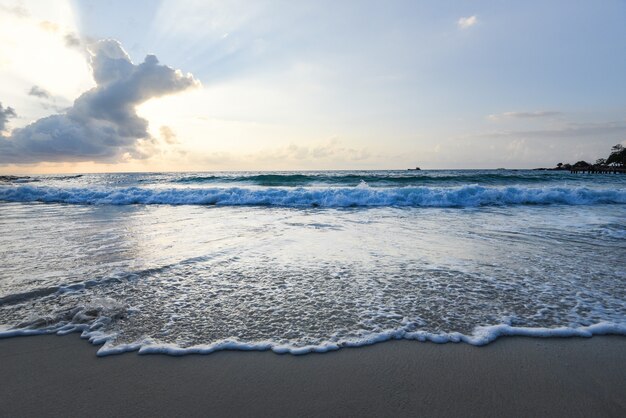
[[481, 336], [463, 196]]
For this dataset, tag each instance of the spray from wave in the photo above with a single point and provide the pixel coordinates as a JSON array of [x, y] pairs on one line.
[[462, 196]]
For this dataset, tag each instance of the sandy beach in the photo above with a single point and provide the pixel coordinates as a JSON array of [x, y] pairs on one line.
[[63, 377]]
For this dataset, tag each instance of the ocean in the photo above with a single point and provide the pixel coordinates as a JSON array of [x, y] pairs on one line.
[[298, 262]]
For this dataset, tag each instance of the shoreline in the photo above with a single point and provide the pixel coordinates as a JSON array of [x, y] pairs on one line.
[[485, 335], [50, 375]]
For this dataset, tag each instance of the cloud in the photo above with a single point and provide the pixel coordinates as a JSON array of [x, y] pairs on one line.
[[467, 22], [39, 92], [567, 131], [5, 114], [525, 115], [331, 150], [17, 10], [46, 99], [328, 154], [49, 26], [542, 147], [102, 125], [72, 40], [168, 135]]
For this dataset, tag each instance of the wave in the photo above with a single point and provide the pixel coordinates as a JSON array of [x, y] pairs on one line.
[[17, 179], [68, 177], [89, 319], [29, 179], [385, 179], [462, 196]]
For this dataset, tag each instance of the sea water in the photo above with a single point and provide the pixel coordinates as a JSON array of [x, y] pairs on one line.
[[311, 261]]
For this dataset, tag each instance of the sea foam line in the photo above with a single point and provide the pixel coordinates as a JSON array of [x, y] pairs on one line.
[[482, 335], [462, 196]]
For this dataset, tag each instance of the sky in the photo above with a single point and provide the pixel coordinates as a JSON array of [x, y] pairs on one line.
[[190, 85]]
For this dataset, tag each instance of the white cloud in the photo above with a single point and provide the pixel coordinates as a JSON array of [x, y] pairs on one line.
[[103, 124], [467, 22]]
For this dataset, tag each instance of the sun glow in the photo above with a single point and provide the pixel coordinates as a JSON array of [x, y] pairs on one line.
[[35, 52]]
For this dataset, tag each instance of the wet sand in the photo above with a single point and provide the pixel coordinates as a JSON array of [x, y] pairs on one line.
[[62, 377]]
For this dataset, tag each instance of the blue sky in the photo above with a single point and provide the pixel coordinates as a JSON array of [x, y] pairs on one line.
[[323, 85]]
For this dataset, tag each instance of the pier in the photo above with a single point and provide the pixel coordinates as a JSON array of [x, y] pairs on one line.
[[598, 170]]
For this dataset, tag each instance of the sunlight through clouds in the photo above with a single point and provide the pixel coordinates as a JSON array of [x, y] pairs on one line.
[[35, 53], [398, 84]]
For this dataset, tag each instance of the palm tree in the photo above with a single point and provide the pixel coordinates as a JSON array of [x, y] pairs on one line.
[[618, 156]]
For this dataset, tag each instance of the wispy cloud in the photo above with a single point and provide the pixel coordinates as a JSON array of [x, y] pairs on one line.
[[525, 115], [72, 40], [168, 135], [39, 92], [467, 22], [569, 130], [47, 99], [17, 10], [325, 154], [328, 151]]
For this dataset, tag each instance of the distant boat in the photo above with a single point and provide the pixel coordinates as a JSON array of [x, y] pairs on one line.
[[414, 169]]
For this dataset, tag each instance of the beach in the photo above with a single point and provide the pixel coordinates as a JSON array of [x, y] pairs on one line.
[[387, 293], [517, 376]]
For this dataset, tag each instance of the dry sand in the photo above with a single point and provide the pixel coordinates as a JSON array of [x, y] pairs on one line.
[[61, 376]]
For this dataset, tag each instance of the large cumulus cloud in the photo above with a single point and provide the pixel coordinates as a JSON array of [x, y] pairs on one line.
[[102, 125]]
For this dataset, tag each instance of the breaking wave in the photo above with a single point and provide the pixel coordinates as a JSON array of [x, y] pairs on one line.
[[89, 319], [462, 196], [373, 179]]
